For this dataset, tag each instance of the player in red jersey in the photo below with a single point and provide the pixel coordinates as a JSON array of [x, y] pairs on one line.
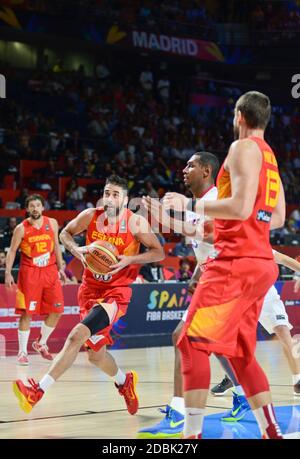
[[39, 288], [102, 299], [226, 305]]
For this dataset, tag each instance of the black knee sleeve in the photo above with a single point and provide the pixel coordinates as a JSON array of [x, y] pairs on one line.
[[96, 320]]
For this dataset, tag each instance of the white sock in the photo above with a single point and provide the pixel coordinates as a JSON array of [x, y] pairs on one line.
[[193, 421], [45, 333], [23, 336], [296, 379], [238, 390], [119, 378], [46, 382], [177, 403]]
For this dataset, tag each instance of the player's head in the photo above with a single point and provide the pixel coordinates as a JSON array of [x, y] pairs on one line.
[[201, 168], [252, 111], [2, 258], [34, 205], [115, 195]]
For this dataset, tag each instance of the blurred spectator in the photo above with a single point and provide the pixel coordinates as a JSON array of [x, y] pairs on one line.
[[295, 215], [2, 259], [71, 279], [8, 231], [163, 88], [181, 249], [153, 272], [58, 67], [184, 273], [75, 196], [22, 197], [146, 78]]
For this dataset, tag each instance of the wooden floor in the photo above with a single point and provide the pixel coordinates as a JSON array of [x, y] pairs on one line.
[[85, 403]]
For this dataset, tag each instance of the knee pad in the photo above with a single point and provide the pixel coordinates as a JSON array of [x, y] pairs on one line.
[[96, 320]]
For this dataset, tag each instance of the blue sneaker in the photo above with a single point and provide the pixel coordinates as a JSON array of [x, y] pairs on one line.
[[170, 427], [239, 409]]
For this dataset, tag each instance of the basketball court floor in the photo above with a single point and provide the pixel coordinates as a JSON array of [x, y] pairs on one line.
[[84, 403]]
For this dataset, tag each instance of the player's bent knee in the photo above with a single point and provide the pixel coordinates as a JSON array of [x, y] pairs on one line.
[[96, 357], [78, 335], [97, 319]]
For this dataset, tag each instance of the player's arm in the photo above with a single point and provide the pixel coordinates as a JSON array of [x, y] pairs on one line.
[[289, 262], [278, 215], [285, 260], [194, 279], [244, 184], [180, 226], [16, 240], [143, 233], [57, 251], [76, 226]]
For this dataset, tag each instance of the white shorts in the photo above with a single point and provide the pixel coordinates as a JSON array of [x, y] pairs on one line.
[[273, 312]]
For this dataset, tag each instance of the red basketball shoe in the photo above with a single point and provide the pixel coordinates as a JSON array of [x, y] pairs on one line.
[[28, 396], [42, 349], [127, 390]]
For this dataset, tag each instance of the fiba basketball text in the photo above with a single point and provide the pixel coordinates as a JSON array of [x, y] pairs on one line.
[[2, 87], [296, 89], [159, 219]]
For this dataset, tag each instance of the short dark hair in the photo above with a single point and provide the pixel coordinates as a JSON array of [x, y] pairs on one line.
[[255, 108], [34, 197], [209, 159], [116, 180]]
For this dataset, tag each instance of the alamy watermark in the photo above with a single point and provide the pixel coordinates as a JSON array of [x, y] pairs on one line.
[[296, 88], [2, 87]]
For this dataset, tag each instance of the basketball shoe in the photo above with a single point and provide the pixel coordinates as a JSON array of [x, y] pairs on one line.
[[42, 349], [23, 359], [28, 396], [128, 391], [238, 411], [170, 427], [222, 387]]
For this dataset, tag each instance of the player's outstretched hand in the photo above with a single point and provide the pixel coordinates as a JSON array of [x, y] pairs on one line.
[[79, 252], [9, 280], [62, 276], [297, 285], [123, 262], [175, 201], [155, 208]]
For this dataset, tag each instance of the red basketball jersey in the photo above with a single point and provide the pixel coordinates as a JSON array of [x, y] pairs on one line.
[[37, 246], [118, 235], [250, 238]]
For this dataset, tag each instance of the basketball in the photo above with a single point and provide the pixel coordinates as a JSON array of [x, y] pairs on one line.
[[101, 256]]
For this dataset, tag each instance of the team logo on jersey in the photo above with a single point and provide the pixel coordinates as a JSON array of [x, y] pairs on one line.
[[57, 305], [280, 317], [32, 305], [47, 227], [264, 216], [123, 226], [102, 277]]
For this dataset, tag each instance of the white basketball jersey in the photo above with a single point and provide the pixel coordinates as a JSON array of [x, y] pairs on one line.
[[202, 250]]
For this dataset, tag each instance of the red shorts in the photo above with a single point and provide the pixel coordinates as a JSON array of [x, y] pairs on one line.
[[89, 296], [226, 305], [39, 291]]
